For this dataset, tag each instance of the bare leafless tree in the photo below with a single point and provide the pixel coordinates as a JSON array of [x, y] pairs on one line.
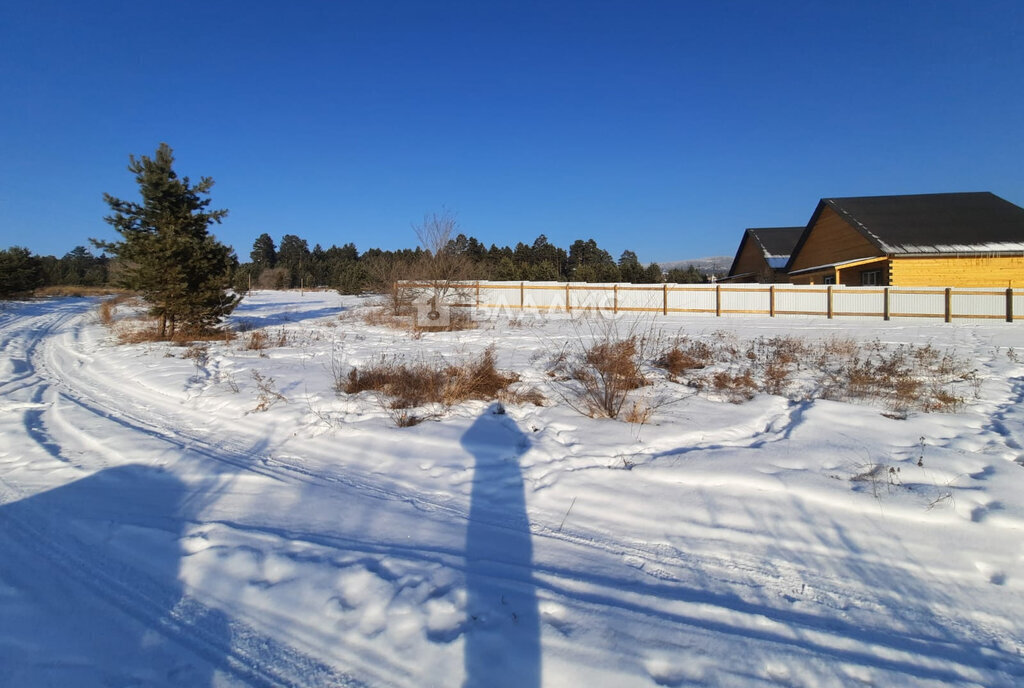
[[385, 273], [442, 275]]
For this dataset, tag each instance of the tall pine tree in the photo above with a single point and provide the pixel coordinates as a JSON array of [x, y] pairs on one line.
[[168, 253]]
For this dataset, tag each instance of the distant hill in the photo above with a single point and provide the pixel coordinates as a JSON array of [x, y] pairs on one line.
[[711, 265]]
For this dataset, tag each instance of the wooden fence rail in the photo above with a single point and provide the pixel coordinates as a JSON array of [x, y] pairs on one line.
[[830, 301]]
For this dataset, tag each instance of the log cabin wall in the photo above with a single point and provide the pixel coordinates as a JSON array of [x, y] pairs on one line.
[[832, 240], [959, 271]]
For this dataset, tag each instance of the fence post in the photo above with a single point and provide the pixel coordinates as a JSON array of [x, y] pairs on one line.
[[664, 308], [885, 304], [949, 305], [478, 293], [615, 298], [718, 300], [828, 298], [568, 303], [771, 301], [522, 296], [1009, 304]]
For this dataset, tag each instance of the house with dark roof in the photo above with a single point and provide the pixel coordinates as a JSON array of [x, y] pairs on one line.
[[763, 254], [941, 240]]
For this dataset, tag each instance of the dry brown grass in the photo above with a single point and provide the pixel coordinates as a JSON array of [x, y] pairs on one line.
[[901, 378], [521, 396], [639, 413], [136, 327], [455, 320], [142, 331], [736, 387], [78, 291], [257, 341], [107, 310], [418, 384]]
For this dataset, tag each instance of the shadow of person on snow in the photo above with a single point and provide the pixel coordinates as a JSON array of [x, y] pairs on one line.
[[502, 642], [90, 592]]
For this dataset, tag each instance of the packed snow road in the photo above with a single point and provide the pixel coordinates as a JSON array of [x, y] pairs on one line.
[[216, 515]]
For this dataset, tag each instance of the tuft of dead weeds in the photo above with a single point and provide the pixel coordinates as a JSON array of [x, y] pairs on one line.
[[412, 385], [901, 378]]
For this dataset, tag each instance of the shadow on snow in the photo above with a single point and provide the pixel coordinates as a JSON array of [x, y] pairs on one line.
[[502, 642], [89, 588]]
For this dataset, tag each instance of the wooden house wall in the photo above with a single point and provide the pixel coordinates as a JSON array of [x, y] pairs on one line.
[[751, 260], [961, 271], [832, 240]]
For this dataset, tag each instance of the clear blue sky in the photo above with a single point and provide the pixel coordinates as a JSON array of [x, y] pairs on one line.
[[661, 127]]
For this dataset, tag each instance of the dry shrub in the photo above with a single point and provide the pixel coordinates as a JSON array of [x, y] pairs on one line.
[[456, 320], [266, 392], [777, 358], [137, 333], [527, 395], [901, 377], [407, 317], [257, 341], [640, 413], [407, 386], [684, 355], [736, 388], [378, 316], [599, 371], [608, 372]]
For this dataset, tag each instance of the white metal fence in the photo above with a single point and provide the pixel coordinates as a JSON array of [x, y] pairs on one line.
[[946, 303]]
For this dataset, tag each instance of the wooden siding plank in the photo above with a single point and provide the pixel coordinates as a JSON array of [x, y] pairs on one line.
[[832, 240]]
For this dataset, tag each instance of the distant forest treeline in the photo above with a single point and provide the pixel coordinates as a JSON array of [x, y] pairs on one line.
[[292, 264]]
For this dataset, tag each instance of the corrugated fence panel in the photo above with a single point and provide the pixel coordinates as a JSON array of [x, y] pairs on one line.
[[917, 302], [547, 296], [858, 301], [499, 294], [751, 300], [691, 298], [988, 304], [646, 297], [801, 300], [810, 300]]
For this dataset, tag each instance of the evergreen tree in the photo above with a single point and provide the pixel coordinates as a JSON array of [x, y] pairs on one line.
[[166, 250], [630, 269], [293, 255], [688, 276], [653, 274], [264, 253], [590, 263], [20, 271]]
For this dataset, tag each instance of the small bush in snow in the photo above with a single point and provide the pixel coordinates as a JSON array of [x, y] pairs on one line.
[[412, 385]]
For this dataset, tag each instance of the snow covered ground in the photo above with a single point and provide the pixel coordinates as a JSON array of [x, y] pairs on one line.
[[156, 529]]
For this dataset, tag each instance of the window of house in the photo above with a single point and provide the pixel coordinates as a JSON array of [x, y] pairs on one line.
[[871, 278], [829, 279]]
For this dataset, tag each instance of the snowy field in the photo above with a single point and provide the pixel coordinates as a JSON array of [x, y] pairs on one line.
[[156, 529]]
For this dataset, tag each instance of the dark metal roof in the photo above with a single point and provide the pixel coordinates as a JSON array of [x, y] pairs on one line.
[[775, 244], [934, 223]]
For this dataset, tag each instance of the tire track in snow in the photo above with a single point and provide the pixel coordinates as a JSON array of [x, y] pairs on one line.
[[141, 417], [246, 654]]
